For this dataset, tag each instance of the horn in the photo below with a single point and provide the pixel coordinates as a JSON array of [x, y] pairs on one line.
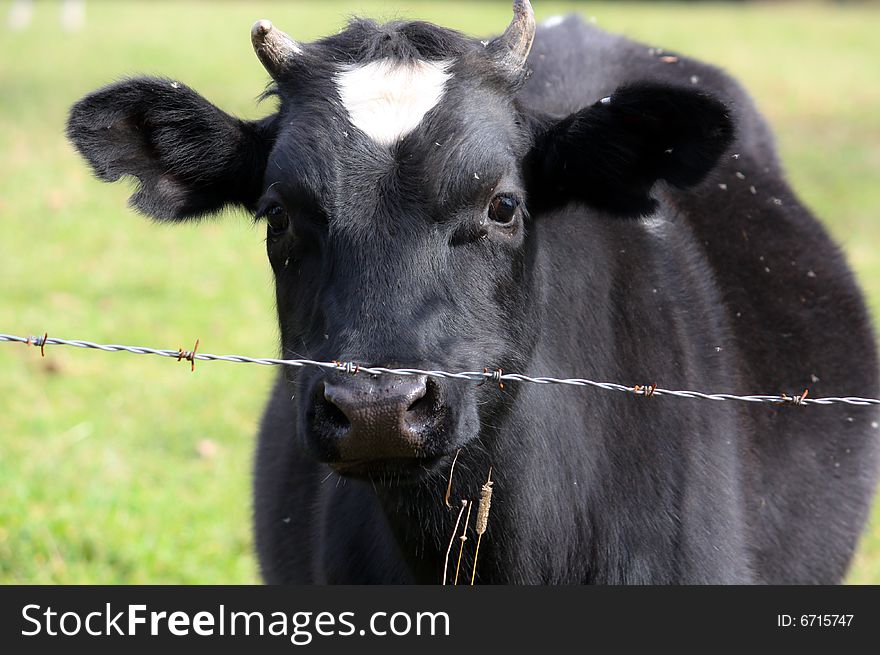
[[274, 48], [511, 49]]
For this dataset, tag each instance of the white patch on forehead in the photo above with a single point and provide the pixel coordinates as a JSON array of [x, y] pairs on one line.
[[387, 100]]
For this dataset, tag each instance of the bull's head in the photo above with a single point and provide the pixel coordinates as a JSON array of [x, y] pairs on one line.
[[399, 182]]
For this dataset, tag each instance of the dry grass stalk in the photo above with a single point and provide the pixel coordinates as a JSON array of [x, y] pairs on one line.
[[449, 484], [452, 539], [463, 538], [482, 518]]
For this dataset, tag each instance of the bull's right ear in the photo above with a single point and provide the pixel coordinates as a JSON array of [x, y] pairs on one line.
[[189, 157]]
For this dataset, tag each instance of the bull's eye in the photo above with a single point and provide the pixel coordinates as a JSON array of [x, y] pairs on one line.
[[277, 220], [502, 209]]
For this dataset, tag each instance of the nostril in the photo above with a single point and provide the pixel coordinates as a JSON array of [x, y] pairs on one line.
[[328, 412], [416, 396], [425, 408]]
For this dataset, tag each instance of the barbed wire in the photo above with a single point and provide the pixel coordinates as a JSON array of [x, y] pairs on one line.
[[495, 376]]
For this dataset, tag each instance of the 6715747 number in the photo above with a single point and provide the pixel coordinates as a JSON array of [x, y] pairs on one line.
[[814, 620]]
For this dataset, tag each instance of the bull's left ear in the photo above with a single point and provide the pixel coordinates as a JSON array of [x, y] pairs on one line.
[[609, 155]]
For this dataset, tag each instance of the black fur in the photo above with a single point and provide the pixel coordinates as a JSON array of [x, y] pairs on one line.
[[641, 134], [385, 257], [189, 157]]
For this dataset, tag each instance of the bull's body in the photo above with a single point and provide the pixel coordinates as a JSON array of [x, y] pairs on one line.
[[730, 286]]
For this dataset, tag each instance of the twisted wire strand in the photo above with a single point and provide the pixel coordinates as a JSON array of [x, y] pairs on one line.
[[486, 375]]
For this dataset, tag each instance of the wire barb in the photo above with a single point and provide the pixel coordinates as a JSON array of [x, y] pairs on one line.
[[474, 376], [495, 376], [647, 391], [794, 400], [188, 355], [39, 342], [347, 367]]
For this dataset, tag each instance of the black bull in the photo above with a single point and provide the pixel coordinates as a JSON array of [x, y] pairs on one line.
[[618, 214]]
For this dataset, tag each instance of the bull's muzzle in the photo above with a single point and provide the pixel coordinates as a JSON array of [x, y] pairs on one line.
[[361, 419]]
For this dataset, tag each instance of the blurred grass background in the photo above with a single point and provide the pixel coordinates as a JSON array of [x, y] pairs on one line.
[[121, 469]]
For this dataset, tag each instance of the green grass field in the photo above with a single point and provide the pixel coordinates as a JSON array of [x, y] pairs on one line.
[[124, 469]]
